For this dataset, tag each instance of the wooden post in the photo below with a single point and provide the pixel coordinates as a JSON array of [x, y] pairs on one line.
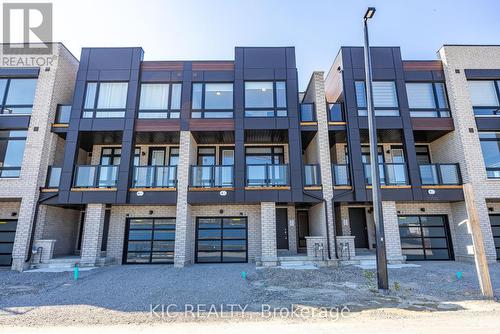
[[483, 272]]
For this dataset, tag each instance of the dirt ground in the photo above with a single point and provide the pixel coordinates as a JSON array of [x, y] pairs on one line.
[[137, 297]]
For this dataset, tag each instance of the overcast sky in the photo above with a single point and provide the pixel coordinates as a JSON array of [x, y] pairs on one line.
[[210, 29]]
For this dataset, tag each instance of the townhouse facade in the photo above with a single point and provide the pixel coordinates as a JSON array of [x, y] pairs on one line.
[[114, 159]]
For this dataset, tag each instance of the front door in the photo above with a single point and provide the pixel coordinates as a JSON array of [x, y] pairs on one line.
[[357, 221], [302, 228], [281, 228]]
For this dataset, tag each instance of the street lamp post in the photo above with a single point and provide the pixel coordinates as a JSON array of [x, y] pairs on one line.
[[382, 278]]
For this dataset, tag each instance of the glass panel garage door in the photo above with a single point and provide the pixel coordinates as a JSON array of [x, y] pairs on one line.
[[150, 240], [425, 238], [221, 239], [495, 229], [7, 235]]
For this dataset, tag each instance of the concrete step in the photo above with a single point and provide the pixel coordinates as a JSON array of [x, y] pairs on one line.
[[295, 258]]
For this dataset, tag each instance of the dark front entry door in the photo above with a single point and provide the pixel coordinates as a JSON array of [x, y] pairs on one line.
[[302, 227], [357, 221], [281, 228]]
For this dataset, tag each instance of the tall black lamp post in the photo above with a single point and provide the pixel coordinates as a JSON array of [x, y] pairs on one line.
[[382, 278]]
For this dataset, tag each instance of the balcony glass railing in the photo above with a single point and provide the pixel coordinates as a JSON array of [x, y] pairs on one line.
[[63, 114], [155, 177], [95, 176], [267, 175], [53, 177], [341, 175], [211, 176], [391, 174], [335, 112], [440, 174], [307, 113], [311, 175]]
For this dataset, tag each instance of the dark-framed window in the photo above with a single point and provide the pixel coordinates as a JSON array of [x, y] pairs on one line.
[[111, 156], [423, 154], [385, 98], [212, 100], [206, 156], [221, 239], [160, 100], [425, 237], [490, 147], [105, 99], [17, 95], [485, 97], [264, 155], [12, 144], [173, 157], [427, 99], [265, 99], [137, 156]]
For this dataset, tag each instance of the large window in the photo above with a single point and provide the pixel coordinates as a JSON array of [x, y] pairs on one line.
[[485, 97], [105, 99], [160, 100], [385, 99], [265, 99], [16, 96], [427, 99], [212, 100], [11, 152], [490, 146]]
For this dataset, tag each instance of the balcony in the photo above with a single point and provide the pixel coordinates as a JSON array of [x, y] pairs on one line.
[[440, 174], [312, 176], [211, 176], [307, 112], [53, 177], [391, 174], [63, 114], [155, 177], [340, 173], [267, 176], [335, 113], [95, 176]]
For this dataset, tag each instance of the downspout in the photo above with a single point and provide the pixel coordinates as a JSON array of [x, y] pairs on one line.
[[33, 228]]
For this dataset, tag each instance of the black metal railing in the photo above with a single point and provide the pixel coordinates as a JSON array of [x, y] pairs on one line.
[[312, 175], [155, 177], [391, 174], [336, 112], [63, 114], [440, 174], [212, 176], [340, 173], [307, 112], [95, 176], [267, 175], [53, 177]]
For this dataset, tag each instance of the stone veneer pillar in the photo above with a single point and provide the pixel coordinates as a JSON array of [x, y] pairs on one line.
[[269, 255], [183, 242], [93, 227]]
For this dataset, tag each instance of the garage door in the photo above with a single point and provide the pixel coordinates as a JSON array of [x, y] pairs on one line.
[[7, 235], [222, 239], [149, 240], [425, 238], [495, 229]]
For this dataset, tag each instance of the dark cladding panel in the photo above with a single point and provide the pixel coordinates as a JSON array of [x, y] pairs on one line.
[[264, 58], [114, 58]]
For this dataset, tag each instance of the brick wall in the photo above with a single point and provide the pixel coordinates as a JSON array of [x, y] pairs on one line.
[[268, 229]]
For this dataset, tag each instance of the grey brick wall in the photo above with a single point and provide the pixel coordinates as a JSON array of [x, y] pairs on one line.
[[93, 227], [53, 87], [269, 254]]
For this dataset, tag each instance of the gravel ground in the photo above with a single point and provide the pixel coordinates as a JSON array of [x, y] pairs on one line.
[[124, 294]]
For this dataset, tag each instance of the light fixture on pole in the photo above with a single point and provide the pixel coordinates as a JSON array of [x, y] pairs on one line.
[[382, 278]]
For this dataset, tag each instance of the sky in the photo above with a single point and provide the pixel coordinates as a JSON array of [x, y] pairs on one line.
[[210, 29]]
